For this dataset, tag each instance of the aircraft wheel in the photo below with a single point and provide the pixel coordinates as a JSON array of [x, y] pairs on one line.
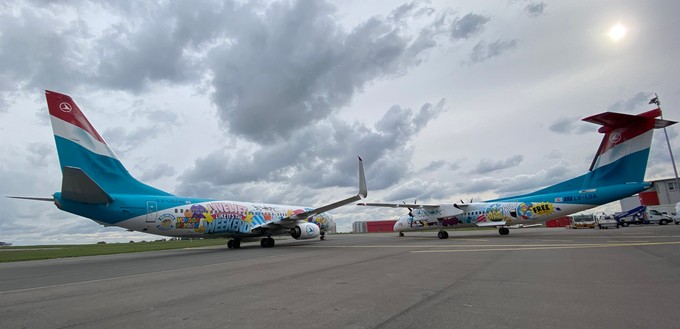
[[443, 235], [504, 231], [401, 234], [270, 242], [263, 243], [237, 243], [230, 244]]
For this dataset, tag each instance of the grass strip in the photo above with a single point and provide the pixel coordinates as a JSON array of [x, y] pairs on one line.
[[23, 253]]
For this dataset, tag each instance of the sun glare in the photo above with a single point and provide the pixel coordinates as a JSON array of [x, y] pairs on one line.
[[617, 32]]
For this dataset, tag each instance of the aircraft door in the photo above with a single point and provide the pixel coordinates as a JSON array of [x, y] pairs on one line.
[[151, 209]]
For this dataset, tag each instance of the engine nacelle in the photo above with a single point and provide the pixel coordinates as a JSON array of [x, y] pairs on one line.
[[304, 231]]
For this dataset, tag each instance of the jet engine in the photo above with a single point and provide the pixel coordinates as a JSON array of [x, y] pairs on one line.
[[303, 231]]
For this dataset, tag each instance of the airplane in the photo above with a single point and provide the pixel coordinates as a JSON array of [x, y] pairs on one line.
[[96, 185], [617, 171]]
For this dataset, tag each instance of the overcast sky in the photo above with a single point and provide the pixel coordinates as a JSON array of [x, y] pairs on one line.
[[272, 101]]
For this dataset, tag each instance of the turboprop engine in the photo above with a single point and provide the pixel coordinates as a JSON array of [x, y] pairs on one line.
[[303, 231]]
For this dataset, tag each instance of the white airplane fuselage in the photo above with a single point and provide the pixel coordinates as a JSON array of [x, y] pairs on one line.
[[482, 214]]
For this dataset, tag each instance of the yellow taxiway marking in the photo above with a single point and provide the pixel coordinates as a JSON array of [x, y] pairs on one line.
[[548, 247]]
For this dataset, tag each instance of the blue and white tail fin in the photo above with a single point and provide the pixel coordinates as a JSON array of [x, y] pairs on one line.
[[91, 171], [624, 150], [622, 155]]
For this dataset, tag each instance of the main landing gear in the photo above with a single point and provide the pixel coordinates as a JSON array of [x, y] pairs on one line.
[[323, 236], [503, 231], [234, 243], [267, 242], [443, 235]]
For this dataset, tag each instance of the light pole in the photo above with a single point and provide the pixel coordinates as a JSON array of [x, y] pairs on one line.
[[656, 101]]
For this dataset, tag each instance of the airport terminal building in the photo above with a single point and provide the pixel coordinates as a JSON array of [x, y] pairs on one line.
[[662, 192]]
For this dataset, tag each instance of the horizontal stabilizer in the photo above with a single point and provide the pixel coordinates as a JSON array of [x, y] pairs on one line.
[[50, 199], [78, 186], [614, 120]]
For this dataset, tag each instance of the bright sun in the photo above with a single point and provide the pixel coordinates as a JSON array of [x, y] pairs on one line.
[[617, 32]]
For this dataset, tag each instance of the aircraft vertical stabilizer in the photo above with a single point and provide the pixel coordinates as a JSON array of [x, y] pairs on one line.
[[83, 151], [624, 150]]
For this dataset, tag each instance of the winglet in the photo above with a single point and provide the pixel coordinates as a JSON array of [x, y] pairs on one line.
[[363, 191]]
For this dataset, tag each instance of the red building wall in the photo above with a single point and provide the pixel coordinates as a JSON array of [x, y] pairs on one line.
[[558, 222], [649, 198], [380, 226]]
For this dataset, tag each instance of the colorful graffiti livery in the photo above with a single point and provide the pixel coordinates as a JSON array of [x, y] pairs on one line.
[[617, 171]]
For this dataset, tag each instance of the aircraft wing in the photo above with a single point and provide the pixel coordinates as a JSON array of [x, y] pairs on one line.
[[491, 224], [399, 205], [524, 225], [363, 192]]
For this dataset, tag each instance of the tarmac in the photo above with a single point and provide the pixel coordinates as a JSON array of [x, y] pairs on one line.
[[532, 278]]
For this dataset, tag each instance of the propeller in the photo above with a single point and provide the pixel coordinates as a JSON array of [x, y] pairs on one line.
[[410, 211]]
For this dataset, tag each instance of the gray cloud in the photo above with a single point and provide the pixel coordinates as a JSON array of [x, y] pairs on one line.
[[158, 171], [635, 104], [468, 26], [419, 190], [38, 48], [433, 166], [483, 51], [571, 125], [535, 9], [123, 140], [319, 156], [295, 65], [40, 154], [488, 165]]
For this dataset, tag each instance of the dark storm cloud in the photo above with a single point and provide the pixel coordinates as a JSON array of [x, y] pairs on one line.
[[488, 165], [483, 51], [322, 155], [294, 65]]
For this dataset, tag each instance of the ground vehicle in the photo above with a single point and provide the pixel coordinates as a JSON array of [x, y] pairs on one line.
[[606, 221], [582, 221], [642, 215]]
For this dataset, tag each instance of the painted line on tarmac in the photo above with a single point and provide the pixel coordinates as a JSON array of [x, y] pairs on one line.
[[137, 275], [547, 247]]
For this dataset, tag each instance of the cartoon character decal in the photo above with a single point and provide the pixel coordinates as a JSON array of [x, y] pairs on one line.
[[165, 222], [494, 212], [321, 220], [532, 210]]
